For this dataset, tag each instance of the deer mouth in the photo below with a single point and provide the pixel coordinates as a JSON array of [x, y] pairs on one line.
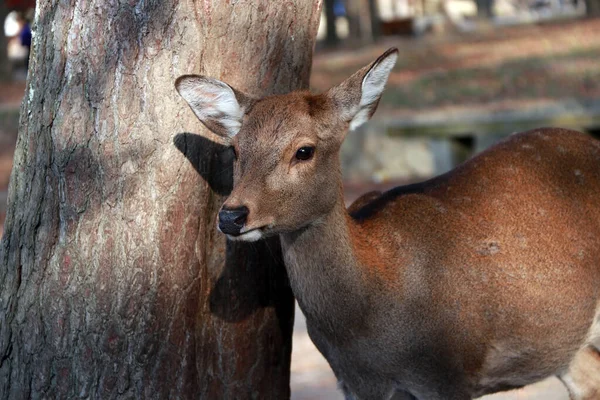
[[251, 235]]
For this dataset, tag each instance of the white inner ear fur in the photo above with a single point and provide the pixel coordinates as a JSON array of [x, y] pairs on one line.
[[372, 86], [213, 101]]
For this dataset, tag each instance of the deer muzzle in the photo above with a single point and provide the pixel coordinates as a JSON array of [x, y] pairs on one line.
[[232, 220]]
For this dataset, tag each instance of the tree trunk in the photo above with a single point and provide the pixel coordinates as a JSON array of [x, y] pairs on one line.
[[113, 279], [353, 13], [331, 38], [593, 8], [363, 20], [375, 20], [5, 70], [485, 9]]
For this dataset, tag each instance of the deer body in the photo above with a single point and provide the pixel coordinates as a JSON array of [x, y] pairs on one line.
[[480, 280], [475, 276]]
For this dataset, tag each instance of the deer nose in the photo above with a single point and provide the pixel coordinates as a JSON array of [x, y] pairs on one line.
[[232, 220]]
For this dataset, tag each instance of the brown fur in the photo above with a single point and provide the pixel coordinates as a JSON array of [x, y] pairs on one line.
[[482, 279]]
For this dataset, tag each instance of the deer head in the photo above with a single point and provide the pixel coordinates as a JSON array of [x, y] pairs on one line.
[[286, 170]]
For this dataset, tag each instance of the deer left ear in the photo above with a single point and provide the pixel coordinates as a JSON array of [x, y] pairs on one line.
[[215, 103], [356, 98]]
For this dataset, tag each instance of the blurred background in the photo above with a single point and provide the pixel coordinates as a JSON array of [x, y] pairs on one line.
[[470, 72]]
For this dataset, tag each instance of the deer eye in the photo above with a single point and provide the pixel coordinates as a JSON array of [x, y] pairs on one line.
[[305, 153]]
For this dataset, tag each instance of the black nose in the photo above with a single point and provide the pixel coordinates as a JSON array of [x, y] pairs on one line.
[[232, 220]]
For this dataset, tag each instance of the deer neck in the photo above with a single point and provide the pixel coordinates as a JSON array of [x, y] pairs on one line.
[[324, 272]]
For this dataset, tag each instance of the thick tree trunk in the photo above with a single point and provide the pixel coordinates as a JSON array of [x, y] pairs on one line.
[[113, 279]]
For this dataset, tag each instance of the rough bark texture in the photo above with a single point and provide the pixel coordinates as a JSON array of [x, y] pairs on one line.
[[113, 279]]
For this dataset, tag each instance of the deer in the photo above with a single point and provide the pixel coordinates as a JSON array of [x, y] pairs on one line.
[[480, 280]]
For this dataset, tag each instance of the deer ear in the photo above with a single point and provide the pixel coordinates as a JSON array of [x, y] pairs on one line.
[[215, 103], [356, 98]]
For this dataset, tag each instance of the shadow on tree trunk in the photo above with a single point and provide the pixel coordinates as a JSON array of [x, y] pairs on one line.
[[249, 277], [212, 160]]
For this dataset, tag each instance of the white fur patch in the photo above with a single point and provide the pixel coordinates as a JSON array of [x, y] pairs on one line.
[[251, 236], [372, 86], [212, 100]]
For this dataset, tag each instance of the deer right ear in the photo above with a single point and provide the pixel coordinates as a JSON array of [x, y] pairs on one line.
[[356, 98], [216, 104]]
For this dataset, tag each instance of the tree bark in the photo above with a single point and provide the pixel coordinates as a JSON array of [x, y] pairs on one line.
[[113, 279]]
